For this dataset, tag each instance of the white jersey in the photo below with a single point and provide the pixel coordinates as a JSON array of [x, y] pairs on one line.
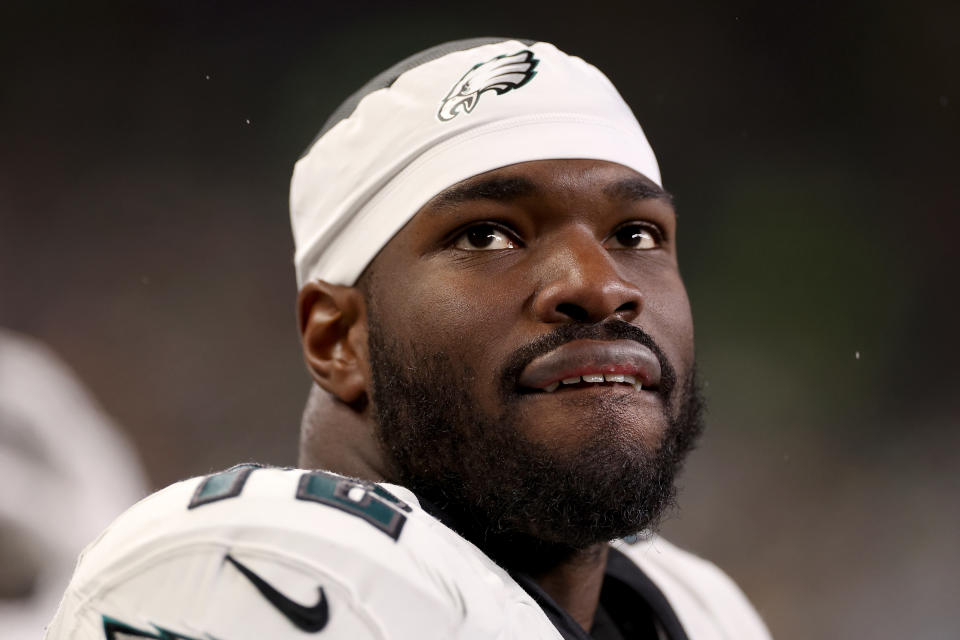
[[255, 553]]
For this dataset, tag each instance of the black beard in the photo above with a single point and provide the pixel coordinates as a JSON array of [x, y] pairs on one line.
[[527, 506]]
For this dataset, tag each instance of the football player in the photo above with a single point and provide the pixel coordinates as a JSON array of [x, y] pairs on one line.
[[491, 309]]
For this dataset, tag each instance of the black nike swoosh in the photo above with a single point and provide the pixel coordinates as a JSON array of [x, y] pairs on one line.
[[309, 619]]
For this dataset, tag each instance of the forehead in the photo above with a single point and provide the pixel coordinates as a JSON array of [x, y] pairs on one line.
[[550, 178]]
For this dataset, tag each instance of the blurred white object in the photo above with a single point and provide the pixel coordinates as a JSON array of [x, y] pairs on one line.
[[66, 473]]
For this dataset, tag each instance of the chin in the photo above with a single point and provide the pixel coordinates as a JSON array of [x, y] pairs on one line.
[[581, 421]]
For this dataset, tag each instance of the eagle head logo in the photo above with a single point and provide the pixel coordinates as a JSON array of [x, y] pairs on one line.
[[501, 74]]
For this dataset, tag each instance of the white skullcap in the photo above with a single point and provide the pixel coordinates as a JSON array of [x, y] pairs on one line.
[[438, 118]]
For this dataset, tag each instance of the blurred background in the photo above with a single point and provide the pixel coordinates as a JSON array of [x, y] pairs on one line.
[[145, 155]]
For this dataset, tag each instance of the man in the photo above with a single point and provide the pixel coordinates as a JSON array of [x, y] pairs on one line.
[[491, 308]]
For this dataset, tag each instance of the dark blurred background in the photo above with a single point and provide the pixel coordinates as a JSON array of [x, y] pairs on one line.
[[145, 154]]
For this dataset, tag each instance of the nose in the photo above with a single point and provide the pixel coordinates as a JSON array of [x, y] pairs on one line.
[[581, 283]]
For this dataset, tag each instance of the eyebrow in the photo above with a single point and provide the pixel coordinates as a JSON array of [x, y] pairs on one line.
[[509, 188], [499, 189], [636, 188]]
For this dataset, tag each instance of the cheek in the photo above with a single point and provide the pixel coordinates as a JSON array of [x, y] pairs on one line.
[[670, 310], [458, 315]]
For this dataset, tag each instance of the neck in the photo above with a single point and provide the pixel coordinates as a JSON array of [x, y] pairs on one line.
[[575, 583], [572, 579], [337, 437]]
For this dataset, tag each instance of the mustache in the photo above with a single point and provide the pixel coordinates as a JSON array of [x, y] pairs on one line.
[[606, 331]]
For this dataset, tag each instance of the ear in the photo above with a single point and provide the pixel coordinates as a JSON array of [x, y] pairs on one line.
[[333, 332]]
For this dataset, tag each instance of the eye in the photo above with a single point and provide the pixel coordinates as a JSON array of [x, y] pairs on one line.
[[635, 236], [484, 237]]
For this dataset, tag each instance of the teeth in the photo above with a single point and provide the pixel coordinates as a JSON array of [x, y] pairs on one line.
[[596, 377]]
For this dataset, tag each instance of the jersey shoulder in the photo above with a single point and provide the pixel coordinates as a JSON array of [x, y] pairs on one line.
[[259, 552], [709, 605]]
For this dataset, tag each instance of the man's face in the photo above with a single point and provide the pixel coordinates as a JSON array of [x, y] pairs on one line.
[[497, 291]]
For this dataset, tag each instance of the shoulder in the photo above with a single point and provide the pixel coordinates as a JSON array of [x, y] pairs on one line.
[[707, 602], [190, 558]]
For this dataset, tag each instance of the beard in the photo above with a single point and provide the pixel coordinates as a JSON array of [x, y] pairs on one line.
[[526, 504]]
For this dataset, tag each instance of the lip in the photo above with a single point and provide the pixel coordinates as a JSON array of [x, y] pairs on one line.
[[585, 357]]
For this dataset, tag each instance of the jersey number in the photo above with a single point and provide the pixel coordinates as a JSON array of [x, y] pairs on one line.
[[367, 501]]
